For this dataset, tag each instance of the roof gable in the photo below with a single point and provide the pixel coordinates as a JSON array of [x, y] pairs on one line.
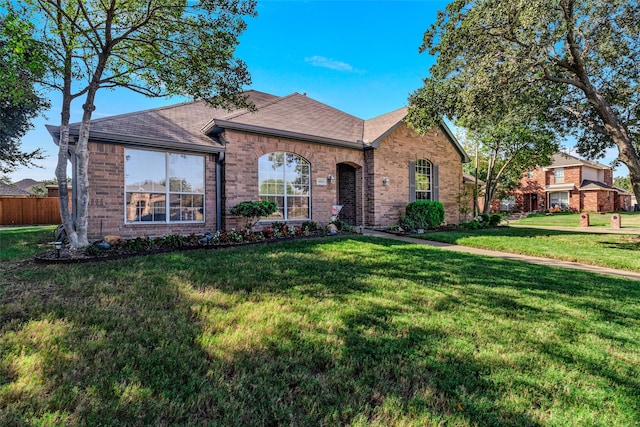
[[560, 160], [295, 115]]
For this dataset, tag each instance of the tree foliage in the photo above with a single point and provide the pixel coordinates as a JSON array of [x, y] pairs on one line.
[[252, 211], [22, 64], [153, 47], [622, 182], [507, 150], [574, 64]]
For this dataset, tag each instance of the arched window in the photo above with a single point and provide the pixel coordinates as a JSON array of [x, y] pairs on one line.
[[423, 180], [285, 179]]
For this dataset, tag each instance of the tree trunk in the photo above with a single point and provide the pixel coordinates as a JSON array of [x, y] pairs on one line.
[[627, 154], [63, 159]]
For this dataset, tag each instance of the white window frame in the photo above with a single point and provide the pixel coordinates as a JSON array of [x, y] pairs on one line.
[[568, 205], [284, 195], [167, 192], [424, 167], [558, 175]]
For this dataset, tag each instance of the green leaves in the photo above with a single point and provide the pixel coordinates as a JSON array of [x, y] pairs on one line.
[[22, 65]]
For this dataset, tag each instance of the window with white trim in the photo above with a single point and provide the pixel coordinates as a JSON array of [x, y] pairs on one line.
[[148, 198], [559, 198], [285, 178], [423, 180], [558, 174]]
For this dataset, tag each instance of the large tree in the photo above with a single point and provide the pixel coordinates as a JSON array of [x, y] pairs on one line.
[[22, 64], [508, 149], [153, 47], [576, 63]]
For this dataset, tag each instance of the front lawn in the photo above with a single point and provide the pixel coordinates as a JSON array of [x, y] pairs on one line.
[[337, 331], [21, 242], [628, 220], [607, 250]]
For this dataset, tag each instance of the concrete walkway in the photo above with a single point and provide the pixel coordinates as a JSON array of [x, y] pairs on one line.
[[599, 230], [505, 255]]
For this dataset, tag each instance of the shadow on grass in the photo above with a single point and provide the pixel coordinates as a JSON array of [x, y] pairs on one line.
[[344, 331]]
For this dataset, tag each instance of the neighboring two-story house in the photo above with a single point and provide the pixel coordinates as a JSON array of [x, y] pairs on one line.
[[572, 184]]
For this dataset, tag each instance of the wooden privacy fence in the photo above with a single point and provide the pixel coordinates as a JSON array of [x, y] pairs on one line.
[[29, 210]]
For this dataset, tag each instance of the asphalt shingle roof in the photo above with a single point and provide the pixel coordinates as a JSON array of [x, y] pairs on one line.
[[11, 190], [195, 124], [559, 160]]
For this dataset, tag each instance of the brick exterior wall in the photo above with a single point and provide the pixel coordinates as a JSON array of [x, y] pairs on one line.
[[359, 181], [392, 160], [241, 171], [107, 198]]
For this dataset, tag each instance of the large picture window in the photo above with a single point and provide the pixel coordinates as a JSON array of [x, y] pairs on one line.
[[560, 198], [284, 178], [163, 187]]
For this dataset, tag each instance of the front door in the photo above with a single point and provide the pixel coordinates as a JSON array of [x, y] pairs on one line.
[[347, 193]]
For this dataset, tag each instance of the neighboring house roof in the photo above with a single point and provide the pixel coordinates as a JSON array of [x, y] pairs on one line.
[[597, 185], [26, 184], [294, 116], [470, 179], [11, 190], [560, 160], [622, 191]]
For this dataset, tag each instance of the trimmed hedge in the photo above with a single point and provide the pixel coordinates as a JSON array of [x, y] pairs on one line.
[[424, 214]]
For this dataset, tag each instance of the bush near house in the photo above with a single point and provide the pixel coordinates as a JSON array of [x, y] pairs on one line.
[[423, 214], [252, 211]]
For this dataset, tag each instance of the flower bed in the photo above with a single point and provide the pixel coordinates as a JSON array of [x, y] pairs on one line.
[[124, 248]]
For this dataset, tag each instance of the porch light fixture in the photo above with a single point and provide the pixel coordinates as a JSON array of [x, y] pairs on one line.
[[386, 180], [330, 179], [58, 246]]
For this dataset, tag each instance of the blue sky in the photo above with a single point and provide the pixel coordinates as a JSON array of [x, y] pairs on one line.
[[358, 56]]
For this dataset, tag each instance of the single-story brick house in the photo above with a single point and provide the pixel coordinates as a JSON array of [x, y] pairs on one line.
[[304, 155]]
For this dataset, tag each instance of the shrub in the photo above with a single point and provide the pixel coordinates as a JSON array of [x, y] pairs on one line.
[[406, 223], [494, 220], [279, 227], [252, 211], [309, 226], [425, 213]]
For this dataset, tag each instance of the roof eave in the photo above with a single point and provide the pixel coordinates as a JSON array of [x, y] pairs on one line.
[[140, 141], [221, 125], [456, 143], [442, 125]]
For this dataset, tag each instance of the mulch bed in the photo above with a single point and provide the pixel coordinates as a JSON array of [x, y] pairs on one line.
[[67, 256]]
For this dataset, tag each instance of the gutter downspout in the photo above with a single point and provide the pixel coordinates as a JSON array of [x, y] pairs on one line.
[[219, 162], [363, 188]]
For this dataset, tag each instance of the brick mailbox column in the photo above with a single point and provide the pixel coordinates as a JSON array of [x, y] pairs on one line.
[[584, 219], [616, 221]]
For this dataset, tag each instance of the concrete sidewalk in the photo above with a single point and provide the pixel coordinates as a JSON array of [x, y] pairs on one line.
[[599, 230], [505, 255]]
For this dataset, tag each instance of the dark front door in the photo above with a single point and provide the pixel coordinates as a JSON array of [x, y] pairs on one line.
[[347, 193]]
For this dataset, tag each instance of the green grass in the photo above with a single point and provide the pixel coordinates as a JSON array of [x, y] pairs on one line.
[[22, 242], [607, 250], [338, 331], [628, 219]]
